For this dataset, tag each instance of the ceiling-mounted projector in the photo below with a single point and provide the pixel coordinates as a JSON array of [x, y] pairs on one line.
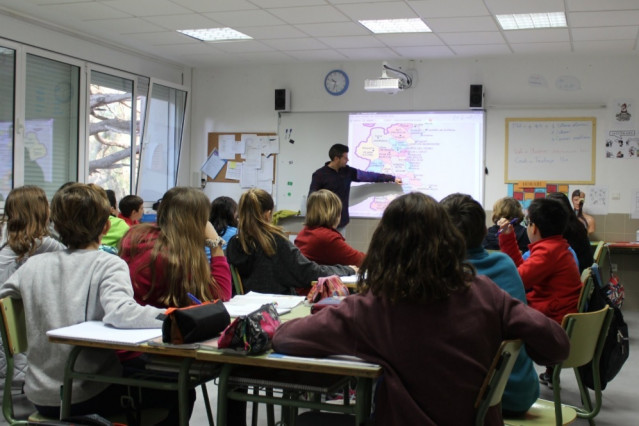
[[389, 84]]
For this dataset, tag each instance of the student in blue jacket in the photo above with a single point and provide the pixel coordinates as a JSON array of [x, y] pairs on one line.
[[469, 217]]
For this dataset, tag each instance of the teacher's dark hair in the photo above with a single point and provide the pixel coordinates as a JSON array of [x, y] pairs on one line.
[[337, 150], [416, 253]]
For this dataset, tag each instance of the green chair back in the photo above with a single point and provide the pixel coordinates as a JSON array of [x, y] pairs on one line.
[[495, 381], [588, 286], [585, 331], [14, 336], [237, 280]]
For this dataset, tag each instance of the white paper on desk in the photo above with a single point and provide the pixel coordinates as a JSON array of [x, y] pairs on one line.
[[227, 146], [97, 331], [213, 164], [252, 301], [349, 279]]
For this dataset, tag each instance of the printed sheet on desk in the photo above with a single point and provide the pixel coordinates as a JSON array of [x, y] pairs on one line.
[[251, 301]]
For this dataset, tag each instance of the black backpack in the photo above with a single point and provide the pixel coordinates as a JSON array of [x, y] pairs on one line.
[[617, 345]]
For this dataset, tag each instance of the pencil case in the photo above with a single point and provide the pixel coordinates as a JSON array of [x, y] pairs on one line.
[[194, 323]]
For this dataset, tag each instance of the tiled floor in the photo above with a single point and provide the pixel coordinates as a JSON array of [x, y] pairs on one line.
[[620, 403]]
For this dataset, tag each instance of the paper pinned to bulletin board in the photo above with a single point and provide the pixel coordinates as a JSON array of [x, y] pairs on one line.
[[256, 151], [526, 191]]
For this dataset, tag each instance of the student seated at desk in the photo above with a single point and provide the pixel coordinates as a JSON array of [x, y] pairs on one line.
[[266, 259], [71, 286], [550, 274], [26, 214], [117, 229], [575, 233], [522, 389], [223, 217], [167, 259], [426, 318], [511, 209], [319, 240]]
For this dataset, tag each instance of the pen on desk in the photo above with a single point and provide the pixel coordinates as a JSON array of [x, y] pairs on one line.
[[194, 299]]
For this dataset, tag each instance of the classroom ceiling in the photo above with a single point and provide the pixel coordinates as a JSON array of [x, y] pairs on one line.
[[286, 31]]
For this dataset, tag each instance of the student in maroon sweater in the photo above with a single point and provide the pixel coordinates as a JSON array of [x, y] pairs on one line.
[[424, 316], [319, 240]]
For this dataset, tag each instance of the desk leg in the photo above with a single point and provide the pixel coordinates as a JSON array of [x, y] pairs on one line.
[[67, 386], [183, 391], [222, 389], [363, 394]]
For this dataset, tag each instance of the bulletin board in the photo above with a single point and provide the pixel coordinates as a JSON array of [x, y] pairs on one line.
[[213, 143], [560, 150]]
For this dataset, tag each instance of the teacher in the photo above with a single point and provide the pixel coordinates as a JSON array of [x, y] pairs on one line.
[[336, 176]]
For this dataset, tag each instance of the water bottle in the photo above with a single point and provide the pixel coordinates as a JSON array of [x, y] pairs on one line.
[[637, 237], [303, 208]]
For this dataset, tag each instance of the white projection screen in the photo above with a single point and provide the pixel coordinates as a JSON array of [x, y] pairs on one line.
[[434, 152], [437, 153]]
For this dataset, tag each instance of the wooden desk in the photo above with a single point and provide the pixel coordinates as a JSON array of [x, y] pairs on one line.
[[365, 373]]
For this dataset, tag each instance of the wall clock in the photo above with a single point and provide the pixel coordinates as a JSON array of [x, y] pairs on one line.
[[336, 82]]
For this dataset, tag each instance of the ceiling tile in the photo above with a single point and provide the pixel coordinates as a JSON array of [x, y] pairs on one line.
[[317, 55], [83, 11], [605, 46], [561, 47], [604, 19], [201, 6], [605, 33], [334, 29], [537, 36], [450, 25], [472, 38], [351, 42], [596, 5], [449, 8], [424, 51], [480, 50], [274, 31], [243, 46], [295, 44], [309, 15], [124, 26], [369, 53], [406, 40], [244, 18], [141, 8], [165, 37], [524, 6], [384, 10], [183, 22]]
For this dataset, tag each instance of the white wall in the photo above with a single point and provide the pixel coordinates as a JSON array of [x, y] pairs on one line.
[[240, 99]]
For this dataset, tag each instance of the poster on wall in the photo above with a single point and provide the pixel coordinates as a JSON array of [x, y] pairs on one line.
[[622, 140]]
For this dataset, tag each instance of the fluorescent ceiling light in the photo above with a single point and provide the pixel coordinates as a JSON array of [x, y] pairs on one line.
[[385, 26], [215, 34], [523, 21]]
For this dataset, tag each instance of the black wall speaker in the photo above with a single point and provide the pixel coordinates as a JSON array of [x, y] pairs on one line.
[[476, 96], [282, 100]]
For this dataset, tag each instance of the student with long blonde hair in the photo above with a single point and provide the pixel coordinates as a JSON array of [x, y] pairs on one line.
[[26, 215], [319, 240], [266, 259], [167, 259]]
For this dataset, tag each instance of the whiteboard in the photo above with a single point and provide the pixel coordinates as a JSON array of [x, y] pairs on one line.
[[455, 156], [560, 150]]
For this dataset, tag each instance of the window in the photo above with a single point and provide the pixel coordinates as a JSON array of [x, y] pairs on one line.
[[112, 132], [7, 94], [50, 134], [162, 140]]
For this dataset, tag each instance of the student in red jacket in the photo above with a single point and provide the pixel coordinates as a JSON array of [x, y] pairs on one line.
[[550, 274], [319, 240]]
